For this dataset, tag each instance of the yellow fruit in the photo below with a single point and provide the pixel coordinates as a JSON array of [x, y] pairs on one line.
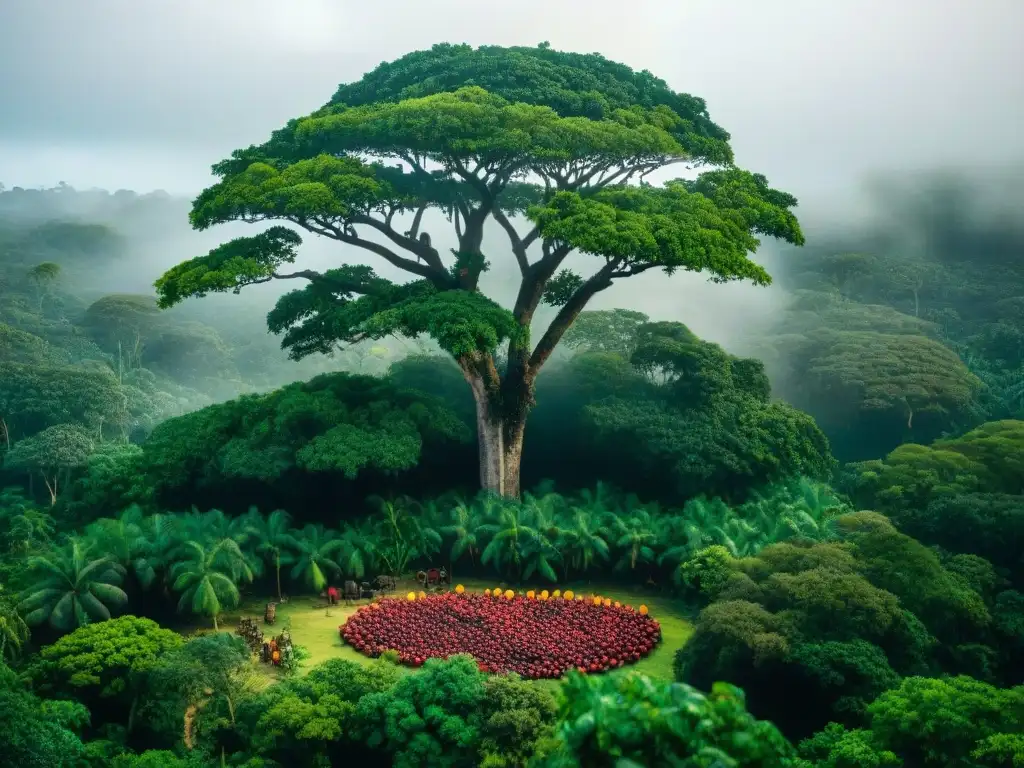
[[557, 593], [487, 592], [530, 595], [569, 594], [459, 589], [509, 594], [544, 594], [411, 596], [643, 610]]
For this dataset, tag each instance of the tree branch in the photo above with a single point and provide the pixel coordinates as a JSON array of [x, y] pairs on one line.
[[309, 274], [634, 270], [350, 237], [414, 230], [518, 247], [471, 178], [568, 313], [426, 252], [531, 290]]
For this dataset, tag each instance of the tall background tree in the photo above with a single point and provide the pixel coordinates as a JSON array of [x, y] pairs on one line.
[[555, 139]]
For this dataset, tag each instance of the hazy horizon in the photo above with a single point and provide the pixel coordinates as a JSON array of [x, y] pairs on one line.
[[821, 98]]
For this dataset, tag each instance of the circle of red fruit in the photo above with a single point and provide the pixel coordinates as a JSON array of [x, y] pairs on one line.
[[534, 638]]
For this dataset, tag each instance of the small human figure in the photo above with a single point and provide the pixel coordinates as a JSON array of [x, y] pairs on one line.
[[332, 595], [276, 658], [265, 656]]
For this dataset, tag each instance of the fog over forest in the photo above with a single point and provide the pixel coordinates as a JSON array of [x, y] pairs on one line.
[[826, 99], [556, 384]]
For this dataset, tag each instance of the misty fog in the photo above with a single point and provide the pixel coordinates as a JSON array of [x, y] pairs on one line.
[[838, 103]]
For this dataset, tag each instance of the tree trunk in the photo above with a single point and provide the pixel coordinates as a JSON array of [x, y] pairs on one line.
[[52, 488], [500, 443], [277, 564], [132, 712], [512, 455], [215, 627]]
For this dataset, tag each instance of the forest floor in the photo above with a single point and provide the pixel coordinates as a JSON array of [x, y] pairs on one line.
[[315, 626]]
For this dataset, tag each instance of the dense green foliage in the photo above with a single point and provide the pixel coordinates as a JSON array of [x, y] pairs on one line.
[[555, 140], [841, 514], [677, 418], [612, 720], [911, 328]]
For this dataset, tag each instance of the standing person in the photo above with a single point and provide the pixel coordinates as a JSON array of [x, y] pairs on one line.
[[332, 595]]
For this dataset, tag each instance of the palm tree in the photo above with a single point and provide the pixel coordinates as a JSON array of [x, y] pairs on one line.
[[124, 540], [213, 529], [71, 589], [158, 537], [584, 541], [540, 555], [399, 536], [703, 522], [316, 553], [462, 528], [510, 539], [213, 526], [206, 577], [273, 539], [543, 512], [635, 538], [353, 553], [600, 501], [804, 509]]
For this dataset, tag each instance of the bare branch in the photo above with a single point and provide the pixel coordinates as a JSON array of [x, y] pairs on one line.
[[350, 237], [634, 270], [417, 247], [308, 274], [414, 230], [414, 162], [568, 313], [470, 177], [518, 247], [532, 288]]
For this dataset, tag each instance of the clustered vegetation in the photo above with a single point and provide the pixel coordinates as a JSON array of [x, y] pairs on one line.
[[848, 555]]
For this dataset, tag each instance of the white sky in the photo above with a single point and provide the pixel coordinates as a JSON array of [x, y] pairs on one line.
[[121, 93], [817, 94]]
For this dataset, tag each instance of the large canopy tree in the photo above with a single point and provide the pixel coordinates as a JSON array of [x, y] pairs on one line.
[[554, 147]]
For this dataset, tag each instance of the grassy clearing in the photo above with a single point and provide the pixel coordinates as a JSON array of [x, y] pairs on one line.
[[315, 627]]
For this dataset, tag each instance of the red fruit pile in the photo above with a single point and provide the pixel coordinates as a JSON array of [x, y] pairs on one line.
[[534, 638]]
